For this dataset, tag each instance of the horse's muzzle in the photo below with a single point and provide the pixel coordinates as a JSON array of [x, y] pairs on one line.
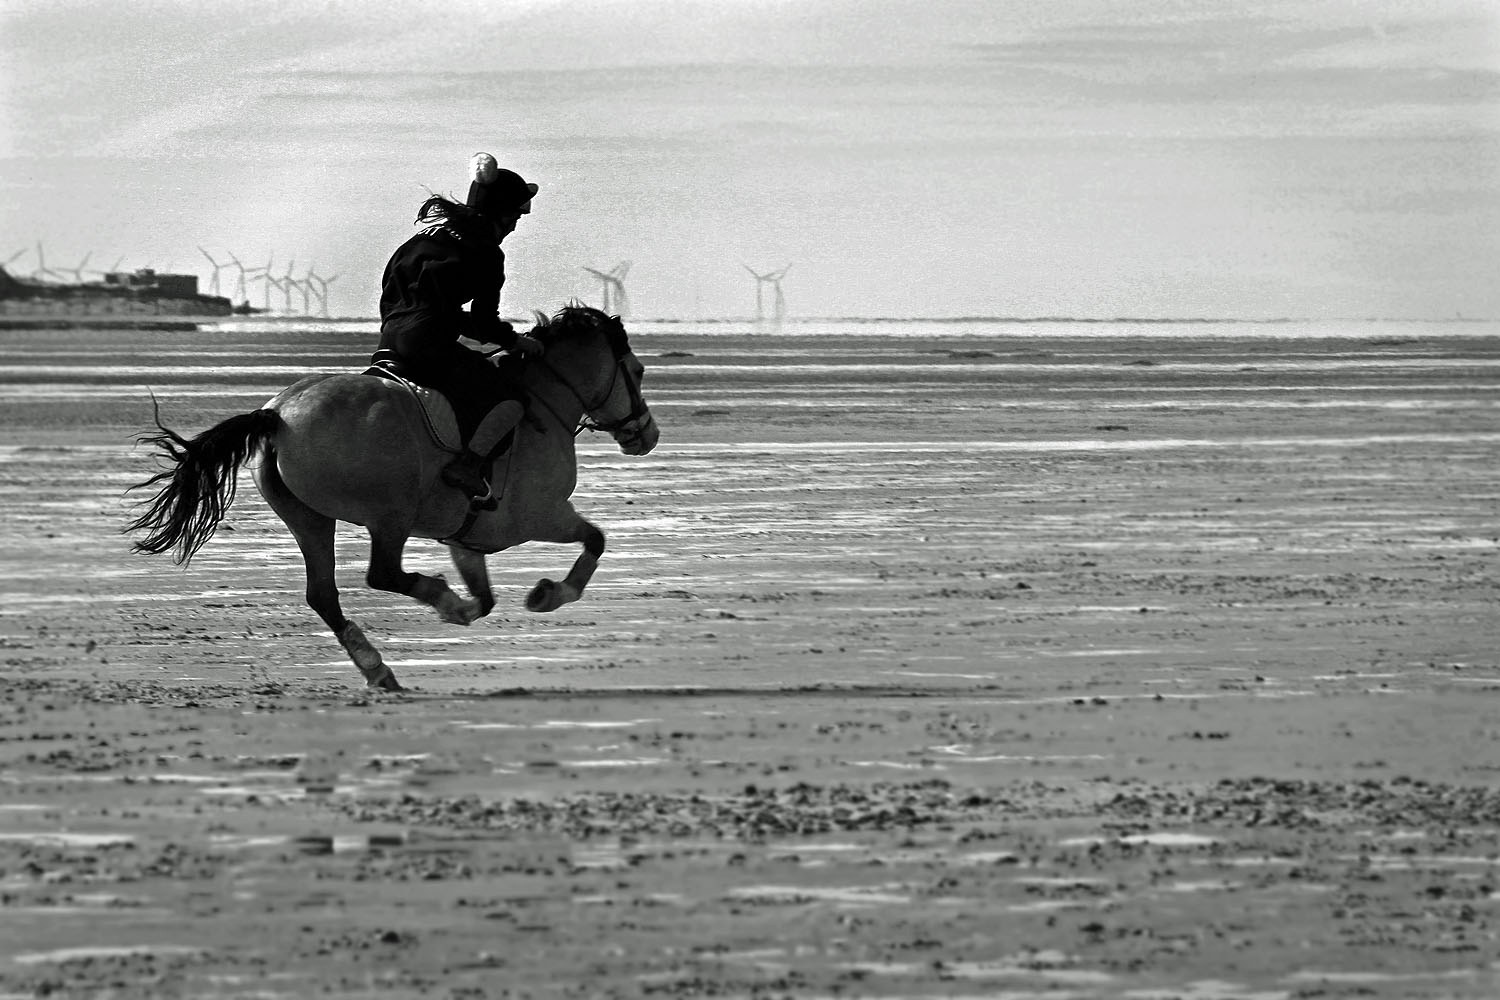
[[637, 437]]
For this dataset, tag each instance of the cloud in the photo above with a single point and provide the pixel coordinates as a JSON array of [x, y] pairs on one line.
[[894, 150], [1266, 73]]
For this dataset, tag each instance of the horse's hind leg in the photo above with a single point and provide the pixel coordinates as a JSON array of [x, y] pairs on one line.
[[549, 595], [315, 534], [387, 543]]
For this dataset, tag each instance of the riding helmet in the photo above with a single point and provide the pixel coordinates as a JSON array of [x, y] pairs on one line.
[[495, 191]]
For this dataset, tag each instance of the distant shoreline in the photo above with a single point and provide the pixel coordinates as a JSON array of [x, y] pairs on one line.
[[1167, 320], [112, 322], [191, 323]]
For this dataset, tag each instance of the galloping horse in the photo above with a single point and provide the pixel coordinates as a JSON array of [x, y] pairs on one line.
[[358, 448]]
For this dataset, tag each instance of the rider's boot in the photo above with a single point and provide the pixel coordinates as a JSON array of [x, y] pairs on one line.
[[466, 472]]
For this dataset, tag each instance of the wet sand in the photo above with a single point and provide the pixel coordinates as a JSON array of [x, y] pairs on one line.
[[1083, 667]]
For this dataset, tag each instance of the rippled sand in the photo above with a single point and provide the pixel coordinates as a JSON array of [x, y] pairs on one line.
[[920, 666]]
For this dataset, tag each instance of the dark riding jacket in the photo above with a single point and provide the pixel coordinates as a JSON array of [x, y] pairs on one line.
[[426, 283]]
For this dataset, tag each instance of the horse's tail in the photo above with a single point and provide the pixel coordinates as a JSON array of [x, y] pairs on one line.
[[197, 488]]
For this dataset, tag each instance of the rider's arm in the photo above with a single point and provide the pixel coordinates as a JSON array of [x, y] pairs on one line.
[[483, 322], [490, 330]]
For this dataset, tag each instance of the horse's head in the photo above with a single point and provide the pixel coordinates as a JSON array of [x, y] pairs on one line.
[[589, 352]]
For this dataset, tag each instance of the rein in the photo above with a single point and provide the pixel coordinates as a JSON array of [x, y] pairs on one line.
[[586, 422]]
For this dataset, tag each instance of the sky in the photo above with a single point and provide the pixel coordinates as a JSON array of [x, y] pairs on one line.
[[935, 158]]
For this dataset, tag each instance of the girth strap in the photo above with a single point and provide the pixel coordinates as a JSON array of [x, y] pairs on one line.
[[481, 505], [476, 507]]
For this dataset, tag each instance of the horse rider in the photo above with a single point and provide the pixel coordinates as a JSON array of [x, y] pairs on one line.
[[456, 260]]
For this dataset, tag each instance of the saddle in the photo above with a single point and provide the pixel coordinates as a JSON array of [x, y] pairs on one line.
[[438, 413]]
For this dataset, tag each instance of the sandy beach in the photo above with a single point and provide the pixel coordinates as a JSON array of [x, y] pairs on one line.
[[973, 662]]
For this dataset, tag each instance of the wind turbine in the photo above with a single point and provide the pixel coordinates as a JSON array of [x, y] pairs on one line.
[[320, 293], [304, 287], [604, 289], [267, 280], [323, 284], [12, 259], [780, 306], [613, 281], [772, 278], [257, 274], [622, 302], [271, 282], [77, 272], [241, 292], [760, 280], [286, 284], [213, 283], [42, 271]]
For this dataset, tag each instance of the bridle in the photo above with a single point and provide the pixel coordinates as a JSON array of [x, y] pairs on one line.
[[586, 422]]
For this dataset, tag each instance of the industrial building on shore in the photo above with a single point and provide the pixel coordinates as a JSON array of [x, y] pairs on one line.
[[142, 292]]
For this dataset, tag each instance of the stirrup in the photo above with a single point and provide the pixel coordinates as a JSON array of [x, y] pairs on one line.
[[466, 473], [484, 492]]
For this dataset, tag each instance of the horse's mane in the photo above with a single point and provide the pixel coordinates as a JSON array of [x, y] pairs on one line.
[[576, 320]]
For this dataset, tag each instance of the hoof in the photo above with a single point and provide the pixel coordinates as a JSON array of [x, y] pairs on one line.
[[383, 680], [544, 597], [461, 612]]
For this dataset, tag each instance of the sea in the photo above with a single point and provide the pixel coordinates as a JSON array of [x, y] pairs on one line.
[[739, 377], [1297, 329]]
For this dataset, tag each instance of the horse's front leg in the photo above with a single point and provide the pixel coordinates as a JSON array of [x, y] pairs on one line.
[[476, 575], [387, 542], [549, 595]]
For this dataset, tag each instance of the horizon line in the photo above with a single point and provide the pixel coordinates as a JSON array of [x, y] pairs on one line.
[[976, 318]]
